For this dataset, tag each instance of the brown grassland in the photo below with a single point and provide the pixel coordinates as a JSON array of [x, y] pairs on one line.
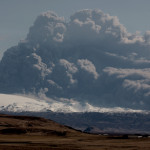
[[34, 133]]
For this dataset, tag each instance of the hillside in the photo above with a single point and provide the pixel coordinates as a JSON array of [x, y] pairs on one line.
[[32, 126], [35, 133]]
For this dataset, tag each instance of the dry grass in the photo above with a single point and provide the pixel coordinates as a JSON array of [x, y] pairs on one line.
[[42, 134]]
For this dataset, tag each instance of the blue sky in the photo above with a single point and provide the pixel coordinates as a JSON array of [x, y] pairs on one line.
[[16, 16]]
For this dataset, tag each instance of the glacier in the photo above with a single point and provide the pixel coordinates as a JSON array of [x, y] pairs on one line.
[[19, 103]]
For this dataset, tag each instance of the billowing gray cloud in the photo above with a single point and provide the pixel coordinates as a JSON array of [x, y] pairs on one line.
[[147, 37], [47, 28], [91, 58], [123, 73], [88, 66], [138, 85], [70, 69], [39, 65]]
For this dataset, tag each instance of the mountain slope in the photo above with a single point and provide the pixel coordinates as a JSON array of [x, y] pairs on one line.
[[32, 125]]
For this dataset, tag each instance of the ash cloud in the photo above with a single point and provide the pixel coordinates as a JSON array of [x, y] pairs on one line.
[[92, 58], [88, 67]]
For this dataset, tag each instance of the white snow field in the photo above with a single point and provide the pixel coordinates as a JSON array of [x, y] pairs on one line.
[[17, 103]]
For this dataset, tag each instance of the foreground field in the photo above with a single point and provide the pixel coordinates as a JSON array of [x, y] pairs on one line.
[[33, 133], [84, 142]]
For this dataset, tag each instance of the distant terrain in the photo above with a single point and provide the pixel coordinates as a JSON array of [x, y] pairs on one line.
[[99, 123], [35, 133], [104, 120]]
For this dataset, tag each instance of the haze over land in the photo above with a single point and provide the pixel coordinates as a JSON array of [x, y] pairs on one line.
[[92, 59]]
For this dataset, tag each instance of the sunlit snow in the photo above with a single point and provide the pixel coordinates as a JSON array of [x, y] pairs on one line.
[[18, 103]]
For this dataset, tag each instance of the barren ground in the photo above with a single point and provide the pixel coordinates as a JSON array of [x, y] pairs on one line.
[[34, 133]]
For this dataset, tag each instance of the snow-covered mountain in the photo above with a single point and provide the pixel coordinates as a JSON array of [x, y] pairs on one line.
[[17, 103], [20, 103]]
